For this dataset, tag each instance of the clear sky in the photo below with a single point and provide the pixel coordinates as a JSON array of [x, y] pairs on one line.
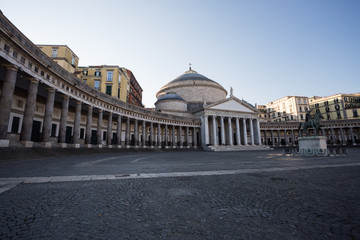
[[264, 49]]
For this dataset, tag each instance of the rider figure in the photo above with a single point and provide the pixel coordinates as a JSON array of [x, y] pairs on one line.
[[308, 117]]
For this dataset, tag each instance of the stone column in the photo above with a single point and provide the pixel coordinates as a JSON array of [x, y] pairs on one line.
[[88, 124], [26, 130], [257, 124], [48, 117], [293, 137], [77, 120], [109, 130], [151, 134], [222, 130], [323, 131], [352, 136], [127, 133], [99, 127], [265, 138], [7, 93], [279, 137], [214, 131], [285, 137], [166, 136], [245, 132], [187, 136], [136, 133], [159, 135], [118, 131], [63, 119], [230, 132], [194, 137], [181, 140], [272, 137], [143, 134], [332, 136], [342, 136], [173, 136], [251, 131], [205, 129], [238, 140]]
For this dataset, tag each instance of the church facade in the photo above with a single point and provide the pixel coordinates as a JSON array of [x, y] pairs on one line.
[[226, 123]]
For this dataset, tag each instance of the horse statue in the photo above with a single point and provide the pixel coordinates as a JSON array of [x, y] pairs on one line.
[[311, 122]]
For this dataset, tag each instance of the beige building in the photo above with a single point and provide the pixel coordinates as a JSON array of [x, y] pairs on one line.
[[109, 79], [337, 107], [289, 108], [63, 55]]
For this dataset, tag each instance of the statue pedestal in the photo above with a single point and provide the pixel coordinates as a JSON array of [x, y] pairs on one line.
[[313, 146]]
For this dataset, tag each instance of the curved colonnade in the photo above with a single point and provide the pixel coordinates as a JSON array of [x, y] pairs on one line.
[[42, 102], [337, 132]]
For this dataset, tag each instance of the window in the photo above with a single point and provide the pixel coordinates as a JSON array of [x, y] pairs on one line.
[[104, 135], [53, 130], [305, 102], [316, 105], [119, 79], [15, 54], [85, 80], [326, 103], [300, 109], [82, 133], [19, 103], [338, 115], [355, 113], [85, 73], [54, 52], [118, 92], [97, 73], [109, 76], [327, 109], [6, 48], [336, 100], [337, 107], [73, 60], [317, 110], [97, 84], [108, 89], [306, 108], [301, 117], [15, 125]]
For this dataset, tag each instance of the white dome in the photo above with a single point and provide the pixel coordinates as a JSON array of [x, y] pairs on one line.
[[195, 88]]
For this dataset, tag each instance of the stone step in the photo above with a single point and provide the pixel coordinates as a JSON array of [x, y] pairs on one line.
[[239, 148]]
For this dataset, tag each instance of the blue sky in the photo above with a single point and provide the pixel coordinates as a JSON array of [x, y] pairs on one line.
[[264, 49]]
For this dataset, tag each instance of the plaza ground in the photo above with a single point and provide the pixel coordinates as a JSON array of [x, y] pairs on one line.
[[178, 195]]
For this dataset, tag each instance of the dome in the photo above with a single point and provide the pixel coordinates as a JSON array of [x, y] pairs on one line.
[[191, 75], [170, 96], [194, 88], [171, 102]]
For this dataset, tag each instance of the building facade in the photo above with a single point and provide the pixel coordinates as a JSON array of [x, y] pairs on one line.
[[63, 55], [289, 108], [337, 107], [135, 93], [108, 79]]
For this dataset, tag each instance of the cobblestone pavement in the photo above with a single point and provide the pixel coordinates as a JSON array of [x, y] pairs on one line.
[[269, 197]]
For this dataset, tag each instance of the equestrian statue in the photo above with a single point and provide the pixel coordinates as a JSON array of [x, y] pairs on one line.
[[311, 122]]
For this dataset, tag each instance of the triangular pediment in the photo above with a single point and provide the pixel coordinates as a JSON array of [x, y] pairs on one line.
[[232, 104]]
